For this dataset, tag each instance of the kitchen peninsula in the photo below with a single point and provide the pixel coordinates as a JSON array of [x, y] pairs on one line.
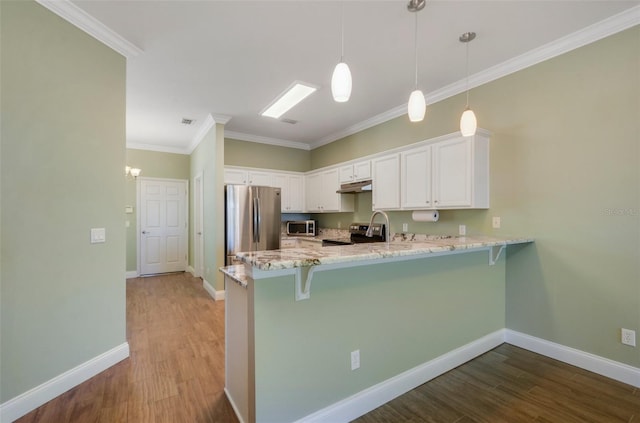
[[328, 334]]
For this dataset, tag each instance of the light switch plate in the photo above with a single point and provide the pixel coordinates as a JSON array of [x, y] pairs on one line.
[[128, 209], [98, 235]]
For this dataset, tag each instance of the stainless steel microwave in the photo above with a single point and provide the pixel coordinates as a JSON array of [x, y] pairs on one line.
[[302, 227]]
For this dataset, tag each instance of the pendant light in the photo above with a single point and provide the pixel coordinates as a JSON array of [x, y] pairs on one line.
[[468, 121], [417, 105], [341, 78]]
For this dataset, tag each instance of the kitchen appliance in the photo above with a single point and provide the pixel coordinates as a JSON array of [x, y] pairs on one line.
[[302, 228], [252, 220], [357, 232], [356, 187]]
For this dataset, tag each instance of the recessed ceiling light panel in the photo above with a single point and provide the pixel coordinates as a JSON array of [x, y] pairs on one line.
[[293, 95]]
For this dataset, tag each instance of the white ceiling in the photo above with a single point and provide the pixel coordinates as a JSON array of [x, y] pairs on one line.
[[231, 58]]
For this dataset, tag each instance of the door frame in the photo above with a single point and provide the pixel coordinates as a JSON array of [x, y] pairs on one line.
[[198, 222], [138, 218]]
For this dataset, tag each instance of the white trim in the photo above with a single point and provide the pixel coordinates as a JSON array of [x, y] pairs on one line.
[[158, 148], [34, 398], [131, 274], [81, 19], [209, 122], [600, 365], [364, 401], [266, 140], [599, 30], [216, 295], [191, 270], [233, 405]]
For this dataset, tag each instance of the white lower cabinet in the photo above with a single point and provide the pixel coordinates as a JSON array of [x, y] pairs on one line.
[[321, 193], [386, 182]]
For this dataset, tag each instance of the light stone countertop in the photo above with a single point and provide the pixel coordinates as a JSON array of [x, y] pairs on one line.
[[420, 245], [237, 274]]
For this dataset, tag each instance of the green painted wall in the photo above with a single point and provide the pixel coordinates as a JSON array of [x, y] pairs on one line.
[[208, 159], [565, 162], [251, 154], [63, 154], [154, 164], [399, 315]]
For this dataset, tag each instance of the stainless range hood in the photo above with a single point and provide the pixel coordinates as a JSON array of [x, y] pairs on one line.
[[355, 187]]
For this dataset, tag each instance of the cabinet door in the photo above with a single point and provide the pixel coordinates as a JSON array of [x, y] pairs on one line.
[[296, 193], [453, 173], [416, 178], [330, 184], [235, 176], [346, 174], [282, 182], [386, 182], [263, 179], [362, 170], [314, 191]]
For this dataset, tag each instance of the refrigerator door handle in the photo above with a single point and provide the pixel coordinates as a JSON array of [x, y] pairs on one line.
[[256, 220]]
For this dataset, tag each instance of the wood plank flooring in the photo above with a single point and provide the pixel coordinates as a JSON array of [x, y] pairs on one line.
[[176, 374]]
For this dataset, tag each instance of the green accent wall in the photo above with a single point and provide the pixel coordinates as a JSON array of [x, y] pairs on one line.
[[154, 164], [399, 315], [208, 159], [252, 154], [565, 170], [62, 299]]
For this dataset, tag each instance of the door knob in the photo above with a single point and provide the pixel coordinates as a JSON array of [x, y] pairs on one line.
[[144, 232], [199, 233]]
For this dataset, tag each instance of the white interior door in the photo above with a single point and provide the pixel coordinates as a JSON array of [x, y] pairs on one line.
[[198, 229], [163, 226]]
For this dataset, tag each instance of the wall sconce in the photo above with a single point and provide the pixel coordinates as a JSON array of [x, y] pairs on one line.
[[133, 171]]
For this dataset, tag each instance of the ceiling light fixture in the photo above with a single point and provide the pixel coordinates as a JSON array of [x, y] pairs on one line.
[[417, 106], [468, 121], [293, 95], [341, 79]]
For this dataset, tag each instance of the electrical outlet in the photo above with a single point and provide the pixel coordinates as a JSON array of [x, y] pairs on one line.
[[339, 225], [496, 222], [628, 337], [355, 359], [462, 229], [405, 227]]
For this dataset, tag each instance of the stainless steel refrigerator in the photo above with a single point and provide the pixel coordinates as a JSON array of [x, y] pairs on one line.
[[252, 219]]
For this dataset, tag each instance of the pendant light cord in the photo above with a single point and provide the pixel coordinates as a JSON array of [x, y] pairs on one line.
[[415, 48], [467, 43], [342, 31]]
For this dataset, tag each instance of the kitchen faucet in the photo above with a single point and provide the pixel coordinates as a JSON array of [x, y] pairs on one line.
[[369, 232]]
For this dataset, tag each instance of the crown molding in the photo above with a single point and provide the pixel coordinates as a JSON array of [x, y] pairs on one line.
[[266, 140], [156, 147], [209, 122], [612, 25], [81, 19], [220, 119]]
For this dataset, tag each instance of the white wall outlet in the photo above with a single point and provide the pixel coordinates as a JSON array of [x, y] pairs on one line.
[[628, 337], [355, 359], [339, 224], [98, 235], [405, 227], [462, 230], [127, 223], [496, 222]]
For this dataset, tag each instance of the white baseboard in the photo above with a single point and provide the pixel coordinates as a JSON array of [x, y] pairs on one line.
[[373, 397], [216, 295], [131, 274], [594, 363], [191, 270], [34, 398], [233, 405]]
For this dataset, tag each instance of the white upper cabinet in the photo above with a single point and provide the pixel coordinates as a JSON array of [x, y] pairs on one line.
[[291, 192], [235, 176], [321, 193], [355, 172], [248, 177], [258, 178], [461, 173], [416, 178], [386, 182]]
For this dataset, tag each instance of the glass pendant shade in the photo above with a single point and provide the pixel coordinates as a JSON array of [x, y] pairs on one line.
[[468, 123], [417, 106], [341, 83]]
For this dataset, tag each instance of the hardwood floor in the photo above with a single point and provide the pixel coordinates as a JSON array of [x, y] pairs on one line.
[[176, 374]]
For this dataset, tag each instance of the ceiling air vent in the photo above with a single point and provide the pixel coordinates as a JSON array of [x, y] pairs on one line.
[[291, 121], [186, 121]]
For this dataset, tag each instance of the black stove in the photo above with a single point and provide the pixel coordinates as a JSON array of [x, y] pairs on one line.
[[358, 235]]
